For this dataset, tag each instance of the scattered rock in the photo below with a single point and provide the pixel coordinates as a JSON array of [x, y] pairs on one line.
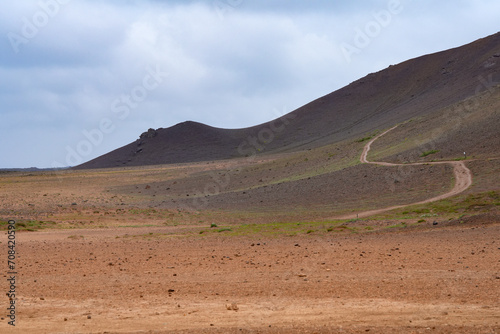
[[151, 133], [232, 307]]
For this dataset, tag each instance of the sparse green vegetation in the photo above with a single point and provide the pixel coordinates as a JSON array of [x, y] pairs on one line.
[[423, 211], [291, 229], [29, 225], [426, 153], [452, 208], [365, 139], [402, 224]]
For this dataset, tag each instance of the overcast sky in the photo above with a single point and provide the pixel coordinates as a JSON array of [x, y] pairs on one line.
[[81, 78]]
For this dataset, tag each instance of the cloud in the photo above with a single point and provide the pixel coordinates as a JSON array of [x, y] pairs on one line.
[[230, 63]]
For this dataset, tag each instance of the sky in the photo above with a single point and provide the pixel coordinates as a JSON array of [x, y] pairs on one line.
[[81, 78]]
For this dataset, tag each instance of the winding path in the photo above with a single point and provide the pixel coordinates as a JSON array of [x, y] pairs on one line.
[[463, 179]]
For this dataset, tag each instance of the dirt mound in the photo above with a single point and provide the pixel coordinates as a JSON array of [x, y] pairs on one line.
[[417, 87]]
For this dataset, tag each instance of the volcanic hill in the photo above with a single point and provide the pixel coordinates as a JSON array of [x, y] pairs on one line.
[[418, 87]]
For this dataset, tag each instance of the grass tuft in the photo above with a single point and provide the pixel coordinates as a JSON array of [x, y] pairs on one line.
[[365, 139], [426, 153]]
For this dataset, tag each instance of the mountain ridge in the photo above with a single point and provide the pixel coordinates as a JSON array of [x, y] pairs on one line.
[[413, 88]]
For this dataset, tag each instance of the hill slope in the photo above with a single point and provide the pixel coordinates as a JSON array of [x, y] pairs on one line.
[[411, 89]]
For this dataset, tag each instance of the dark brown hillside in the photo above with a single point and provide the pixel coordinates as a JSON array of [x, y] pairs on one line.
[[174, 144], [413, 88]]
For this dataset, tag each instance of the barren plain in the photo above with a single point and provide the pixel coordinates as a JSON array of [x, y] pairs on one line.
[[374, 209], [426, 269]]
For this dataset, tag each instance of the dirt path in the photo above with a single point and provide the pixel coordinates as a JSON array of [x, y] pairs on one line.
[[167, 279], [463, 179]]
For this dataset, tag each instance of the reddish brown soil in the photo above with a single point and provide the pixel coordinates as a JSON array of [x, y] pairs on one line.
[[436, 280], [132, 250], [441, 278]]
